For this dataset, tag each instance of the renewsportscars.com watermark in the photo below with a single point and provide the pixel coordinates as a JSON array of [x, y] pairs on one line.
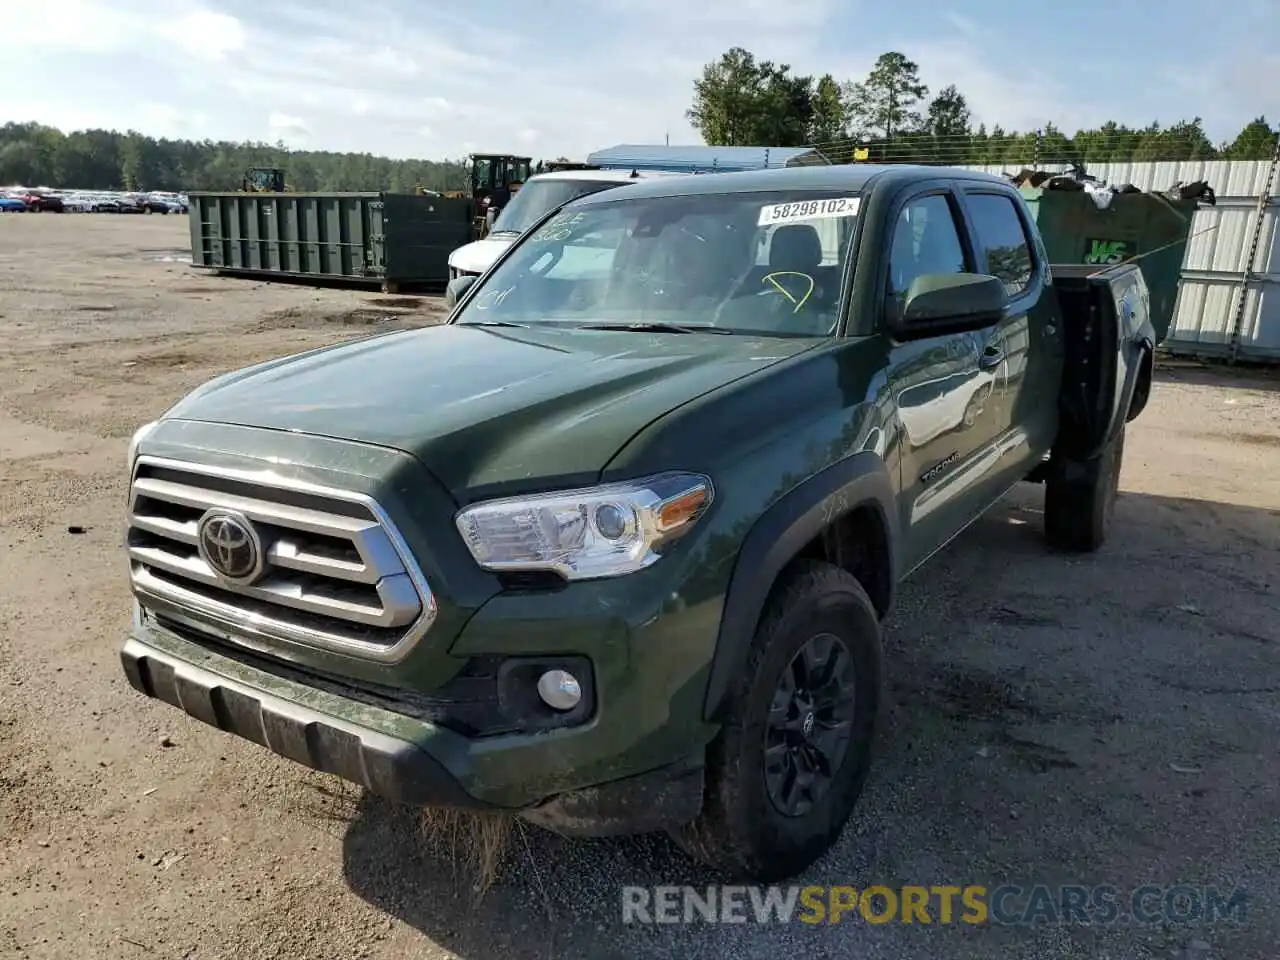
[[1005, 905]]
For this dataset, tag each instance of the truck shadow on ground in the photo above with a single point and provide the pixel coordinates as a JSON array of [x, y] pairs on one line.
[[1050, 718]]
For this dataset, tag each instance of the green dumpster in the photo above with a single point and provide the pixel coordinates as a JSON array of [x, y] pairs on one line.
[[373, 237], [1147, 226]]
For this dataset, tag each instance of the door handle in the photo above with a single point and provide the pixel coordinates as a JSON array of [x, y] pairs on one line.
[[992, 356]]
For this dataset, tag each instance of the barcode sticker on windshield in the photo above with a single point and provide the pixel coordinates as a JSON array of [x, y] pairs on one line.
[[808, 210]]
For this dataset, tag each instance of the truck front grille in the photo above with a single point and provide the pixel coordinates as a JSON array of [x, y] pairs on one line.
[[271, 563]]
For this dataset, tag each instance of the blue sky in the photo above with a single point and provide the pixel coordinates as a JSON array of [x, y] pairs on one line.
[[569, 76]]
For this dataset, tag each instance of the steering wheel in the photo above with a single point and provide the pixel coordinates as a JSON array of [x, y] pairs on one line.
[[658, 283], [771, 284]]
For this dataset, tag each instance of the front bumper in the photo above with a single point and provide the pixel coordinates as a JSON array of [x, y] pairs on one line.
[[382, 762], [406, 759]]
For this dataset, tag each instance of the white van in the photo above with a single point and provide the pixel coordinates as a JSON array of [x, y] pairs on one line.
[[539, 194]]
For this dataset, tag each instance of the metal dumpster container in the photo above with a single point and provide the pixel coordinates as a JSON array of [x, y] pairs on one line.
[[1148, 226], [384, 238]]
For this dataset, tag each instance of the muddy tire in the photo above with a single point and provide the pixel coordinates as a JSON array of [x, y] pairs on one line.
[[1080, 499], [785, 771]]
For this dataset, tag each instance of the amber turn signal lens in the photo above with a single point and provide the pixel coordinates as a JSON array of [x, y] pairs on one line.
[[678, 511]]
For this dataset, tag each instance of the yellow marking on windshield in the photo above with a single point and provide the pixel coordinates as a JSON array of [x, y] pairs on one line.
[[769, 278]]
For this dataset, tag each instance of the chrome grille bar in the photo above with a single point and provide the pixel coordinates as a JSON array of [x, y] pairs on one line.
[[334, 573]]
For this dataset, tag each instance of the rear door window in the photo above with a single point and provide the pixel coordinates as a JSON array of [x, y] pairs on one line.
[[1001, 240]]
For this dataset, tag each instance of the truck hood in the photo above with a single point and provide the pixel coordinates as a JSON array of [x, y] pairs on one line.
[[477, 256], [490, 411]]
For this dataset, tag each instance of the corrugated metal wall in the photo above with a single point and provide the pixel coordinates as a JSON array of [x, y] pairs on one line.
[[1221, 295]]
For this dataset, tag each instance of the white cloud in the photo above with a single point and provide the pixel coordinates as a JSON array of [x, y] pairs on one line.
[[441, 81], [436, 107], [204, 34], [161, 114], [397, 62], [1228, 93], [86, 26], [284, 123], [168, 120], [796, 16]]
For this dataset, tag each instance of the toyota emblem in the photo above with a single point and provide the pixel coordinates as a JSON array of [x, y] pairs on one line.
[[229, 544]]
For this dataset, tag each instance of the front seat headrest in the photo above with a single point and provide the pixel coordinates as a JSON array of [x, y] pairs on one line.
[[795, 246]]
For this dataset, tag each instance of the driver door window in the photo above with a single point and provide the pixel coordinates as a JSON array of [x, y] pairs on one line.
[[925, 240]]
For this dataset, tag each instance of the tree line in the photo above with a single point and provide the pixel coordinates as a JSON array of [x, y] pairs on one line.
[[738, 100], [32, 154], [890, 116]]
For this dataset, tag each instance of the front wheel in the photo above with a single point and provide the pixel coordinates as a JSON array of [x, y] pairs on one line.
[[786, 770], [1080, 499]]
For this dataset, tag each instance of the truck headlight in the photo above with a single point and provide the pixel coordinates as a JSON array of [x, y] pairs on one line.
[[138, 436], [603, 531]]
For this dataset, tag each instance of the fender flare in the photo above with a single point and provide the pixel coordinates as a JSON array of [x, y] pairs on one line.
[[1145, 373], [775, 538], [1134, 353]]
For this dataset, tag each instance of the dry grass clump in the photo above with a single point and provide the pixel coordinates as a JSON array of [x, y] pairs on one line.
[[477, 843]]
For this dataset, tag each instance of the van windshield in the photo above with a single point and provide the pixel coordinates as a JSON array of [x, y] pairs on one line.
[[536, 197], [763, 263]]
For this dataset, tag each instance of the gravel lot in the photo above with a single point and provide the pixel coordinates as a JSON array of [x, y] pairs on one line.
[[1095, 721]]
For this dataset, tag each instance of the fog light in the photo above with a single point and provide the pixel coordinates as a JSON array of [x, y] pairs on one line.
[[559, 689]]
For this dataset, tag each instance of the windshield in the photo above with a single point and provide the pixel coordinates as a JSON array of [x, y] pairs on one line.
[[536, 197], [765, 263]]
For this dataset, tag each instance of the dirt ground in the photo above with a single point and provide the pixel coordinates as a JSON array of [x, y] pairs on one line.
[[1109, 720]]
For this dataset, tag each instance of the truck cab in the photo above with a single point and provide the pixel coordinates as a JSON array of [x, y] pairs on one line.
[[610, 548]]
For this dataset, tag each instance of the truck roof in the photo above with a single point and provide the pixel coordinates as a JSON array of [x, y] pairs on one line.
[[845, 176], [612, 175]]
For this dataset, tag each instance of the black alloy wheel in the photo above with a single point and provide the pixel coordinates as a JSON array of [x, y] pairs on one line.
[[810, 722]]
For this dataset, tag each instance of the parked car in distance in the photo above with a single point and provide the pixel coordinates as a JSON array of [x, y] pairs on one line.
[[77, 202], [12, 205], [119, 203], [162, 203], [39, 201]]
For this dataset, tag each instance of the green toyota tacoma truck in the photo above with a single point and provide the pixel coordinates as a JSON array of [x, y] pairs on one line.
[[610, 548]]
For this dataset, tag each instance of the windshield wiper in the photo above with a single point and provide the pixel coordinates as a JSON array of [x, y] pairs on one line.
[[656, 327]]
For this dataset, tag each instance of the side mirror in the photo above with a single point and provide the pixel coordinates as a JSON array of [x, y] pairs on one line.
[[940, 302], [456, 288]]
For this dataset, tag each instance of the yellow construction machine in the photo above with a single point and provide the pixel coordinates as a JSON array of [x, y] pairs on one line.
[[264, 180], [495, 178]]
